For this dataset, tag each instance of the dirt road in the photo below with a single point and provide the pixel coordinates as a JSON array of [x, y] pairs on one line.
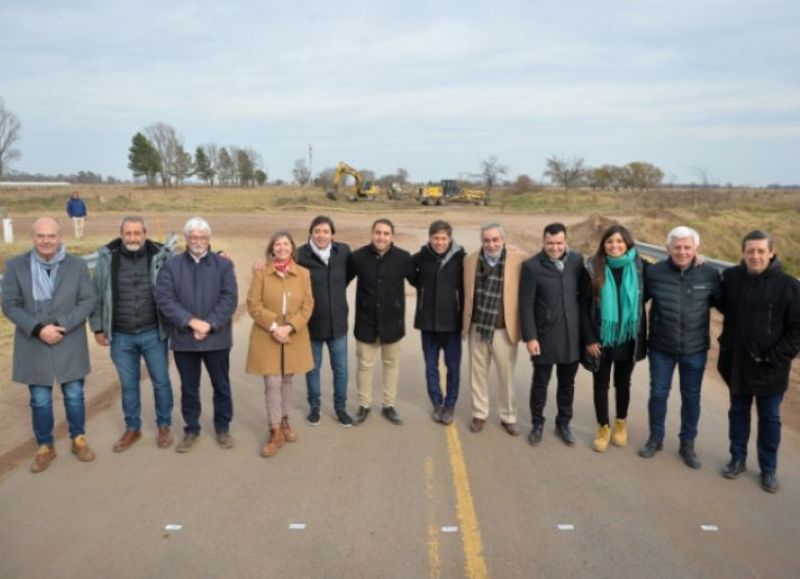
[[418, 500]]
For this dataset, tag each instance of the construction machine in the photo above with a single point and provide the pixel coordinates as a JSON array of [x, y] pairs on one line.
[[363, 189], [448, 190]]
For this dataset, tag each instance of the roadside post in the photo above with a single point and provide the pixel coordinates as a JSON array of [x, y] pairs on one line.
[[8, 228]]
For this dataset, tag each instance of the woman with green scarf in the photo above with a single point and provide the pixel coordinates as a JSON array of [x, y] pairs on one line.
[[613, 327]]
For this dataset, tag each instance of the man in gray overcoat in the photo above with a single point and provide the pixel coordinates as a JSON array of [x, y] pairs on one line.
[[47, 295], [550, 316]]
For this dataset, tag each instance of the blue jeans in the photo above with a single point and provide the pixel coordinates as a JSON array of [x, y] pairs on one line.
[[42, 410], [690, 369], [126, 353], [432, 343], [769, 428], [337, 352], [189, 365]]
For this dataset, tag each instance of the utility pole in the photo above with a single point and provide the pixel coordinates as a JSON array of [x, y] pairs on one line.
[[310, 164]]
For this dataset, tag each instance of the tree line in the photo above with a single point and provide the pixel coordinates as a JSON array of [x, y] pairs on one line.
[[158, 155], [571, 173]]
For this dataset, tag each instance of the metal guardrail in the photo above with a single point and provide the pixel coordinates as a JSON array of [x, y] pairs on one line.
[[91, 259], [659, 252]]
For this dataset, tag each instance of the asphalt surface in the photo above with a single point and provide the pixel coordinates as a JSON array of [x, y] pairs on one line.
[[417, 500]]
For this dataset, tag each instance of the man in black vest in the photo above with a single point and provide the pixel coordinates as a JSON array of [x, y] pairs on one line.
[[126, 317], [760, 338], [381, 268]]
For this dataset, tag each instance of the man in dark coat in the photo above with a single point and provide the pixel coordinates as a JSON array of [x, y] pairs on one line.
[[381, 268], [550, 313], [760, 338], [439, 267], [47, 295], [197, 295], [326, 260], [683, 292]]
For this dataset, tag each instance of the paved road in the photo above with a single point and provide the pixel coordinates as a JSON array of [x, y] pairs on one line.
[[418, 500]]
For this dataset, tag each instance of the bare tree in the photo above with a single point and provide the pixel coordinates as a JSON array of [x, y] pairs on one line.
[[565, 172], [301, 172], [703, 175], [643, 176], [324, 178], [168, 144], [491, 171], [9, 135]]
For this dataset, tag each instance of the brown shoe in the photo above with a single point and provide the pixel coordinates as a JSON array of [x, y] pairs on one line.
[[127, 440], [476, 425], [164, 439], [80, 448], [274, 443], [44, 456], [289, 435], [511, 428]]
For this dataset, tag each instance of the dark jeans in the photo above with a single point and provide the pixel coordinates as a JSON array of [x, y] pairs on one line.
[[217, 364], [690, 368], [565, 374], [450, 343], [42, 410], [622, 388], [337, 352], [127, 350], [769, 428]]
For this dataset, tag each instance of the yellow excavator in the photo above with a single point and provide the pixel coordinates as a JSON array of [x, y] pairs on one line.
[[448, 191], [363, 190]]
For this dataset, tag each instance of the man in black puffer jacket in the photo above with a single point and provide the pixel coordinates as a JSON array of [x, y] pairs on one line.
[[439, 267], [683, 292], [760, 338]]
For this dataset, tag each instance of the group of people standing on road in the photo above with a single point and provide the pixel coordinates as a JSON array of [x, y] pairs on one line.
[[567, 310]]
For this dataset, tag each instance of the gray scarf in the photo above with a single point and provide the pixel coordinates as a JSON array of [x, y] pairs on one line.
[[43, 274]]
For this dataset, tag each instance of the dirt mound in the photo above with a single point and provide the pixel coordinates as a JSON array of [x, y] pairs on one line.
[[585, 236]]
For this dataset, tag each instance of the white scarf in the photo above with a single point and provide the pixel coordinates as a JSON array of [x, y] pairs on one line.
[[323, 254]]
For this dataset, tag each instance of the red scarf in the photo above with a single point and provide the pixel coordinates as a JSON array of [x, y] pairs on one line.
[[283, 266]]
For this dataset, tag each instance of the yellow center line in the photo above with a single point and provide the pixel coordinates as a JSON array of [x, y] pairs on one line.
[[470, 532], [433, 531]]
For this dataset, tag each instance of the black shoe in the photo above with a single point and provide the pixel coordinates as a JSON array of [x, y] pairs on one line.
[[769, 482], [363, 413], [344, 418], [688, 455], [390, 414], [437, 413], [734, 468], [650, 448], [565, 434], [313, 417], [535, 436]]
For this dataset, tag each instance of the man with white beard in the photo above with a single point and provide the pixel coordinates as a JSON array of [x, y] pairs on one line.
[[197, 297], [126, 318]]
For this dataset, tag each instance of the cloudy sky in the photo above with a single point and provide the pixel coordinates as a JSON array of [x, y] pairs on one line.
[[434, 87]]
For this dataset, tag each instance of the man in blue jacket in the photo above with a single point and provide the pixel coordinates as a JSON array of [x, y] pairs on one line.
[[197, 296], [76, 210]]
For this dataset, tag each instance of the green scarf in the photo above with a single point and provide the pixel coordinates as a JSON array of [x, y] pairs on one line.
[[619, 308]]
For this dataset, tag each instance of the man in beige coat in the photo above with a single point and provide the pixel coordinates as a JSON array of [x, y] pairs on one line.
[[491, 324]]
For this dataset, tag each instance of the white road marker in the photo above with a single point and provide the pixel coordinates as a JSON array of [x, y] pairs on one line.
[[173, 527], [297, 526], [450, 529], [711, 528], [562, 527]]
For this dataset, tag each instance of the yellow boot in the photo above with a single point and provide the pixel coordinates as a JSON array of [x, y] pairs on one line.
[[620, 435], [600, 443]]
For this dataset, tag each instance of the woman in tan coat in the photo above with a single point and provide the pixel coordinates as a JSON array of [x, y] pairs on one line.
[[280, 302]]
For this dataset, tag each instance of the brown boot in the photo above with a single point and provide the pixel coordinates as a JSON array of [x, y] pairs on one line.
[[164, 439], [44, 456], [80, 448], [289, 435], [127, 440], [275, 442]]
